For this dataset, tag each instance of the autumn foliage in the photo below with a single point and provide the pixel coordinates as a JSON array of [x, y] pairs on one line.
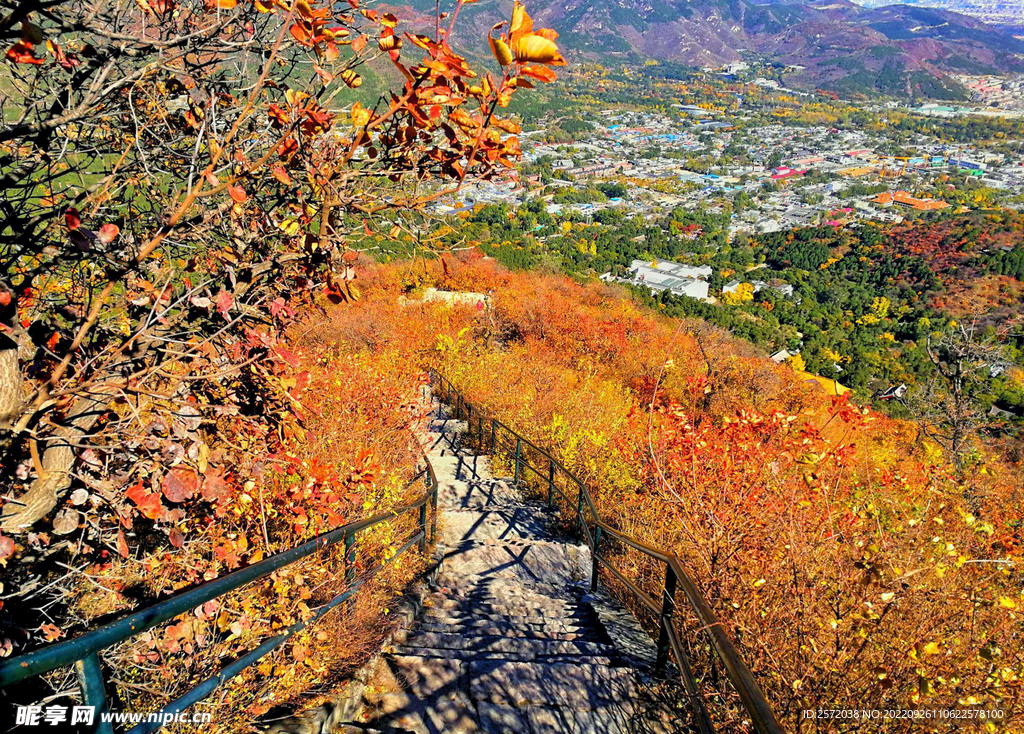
[[196, 371], [846, 557]]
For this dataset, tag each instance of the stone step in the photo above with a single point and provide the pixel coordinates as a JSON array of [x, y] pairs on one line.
[[454, 715], [506, 628], [557, 685], [476, 494], [511, 523], [499, 586], [462, 611], [540, 562], [449, 597], [603, 719], [578, 616], [582, 618], [519, 657], [500, 644]]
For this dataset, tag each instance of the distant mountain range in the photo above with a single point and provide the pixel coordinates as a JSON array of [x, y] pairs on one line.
[[899, 49]]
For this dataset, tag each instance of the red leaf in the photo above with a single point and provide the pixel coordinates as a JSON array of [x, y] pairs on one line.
[[72, 219], [326, 76], [180, 484], [277, 306], [51, 632], [215, 487], [176, 538], [366, 227], [122, 544], [181, 630], [540, 73], [300, 33], [224, 301], [147, 502], [281, 175], [238, 194], [359, 43], [22, 53], [288, 357], [108, 233]]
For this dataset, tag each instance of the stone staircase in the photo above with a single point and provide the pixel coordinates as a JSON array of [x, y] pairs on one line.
[[509, 638]]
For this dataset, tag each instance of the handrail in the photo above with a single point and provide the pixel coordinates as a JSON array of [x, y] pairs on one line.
[[753, 699], [83, 651]]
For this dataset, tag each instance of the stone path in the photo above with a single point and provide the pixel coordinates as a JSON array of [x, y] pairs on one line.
[[509, 638]]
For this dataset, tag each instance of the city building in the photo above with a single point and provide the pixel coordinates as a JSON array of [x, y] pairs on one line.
[[679, 279], [903, 200]]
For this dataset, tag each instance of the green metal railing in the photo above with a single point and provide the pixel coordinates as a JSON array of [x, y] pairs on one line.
[[83, 652], [489, 432]]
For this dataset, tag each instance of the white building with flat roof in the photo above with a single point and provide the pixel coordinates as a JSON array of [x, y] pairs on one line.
[[679, 279]]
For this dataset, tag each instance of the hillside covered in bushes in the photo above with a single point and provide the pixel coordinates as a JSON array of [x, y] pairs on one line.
[[843, 549], [840, 547]]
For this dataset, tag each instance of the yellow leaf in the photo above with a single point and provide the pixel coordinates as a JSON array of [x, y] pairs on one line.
[[932, 648], [501, 50], [1007, 603], [294, 96], [360, 115], [536, 49], [350, 78]]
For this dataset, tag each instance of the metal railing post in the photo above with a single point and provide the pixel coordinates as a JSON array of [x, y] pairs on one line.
[[350, 557], [593, 557], [668, 604], [551, 483], [519, 451], [90, 682], [579, 510], [434, 489], [423, 527]]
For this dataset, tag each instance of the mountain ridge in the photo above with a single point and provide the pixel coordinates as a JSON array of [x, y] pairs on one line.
[[901, 50]]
